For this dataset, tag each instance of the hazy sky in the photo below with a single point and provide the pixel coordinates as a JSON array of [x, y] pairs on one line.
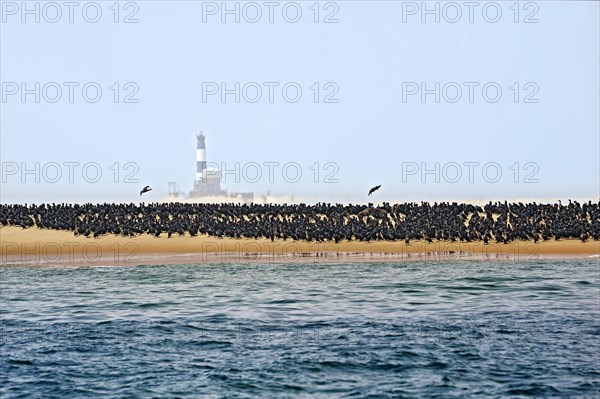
[[494, 100]]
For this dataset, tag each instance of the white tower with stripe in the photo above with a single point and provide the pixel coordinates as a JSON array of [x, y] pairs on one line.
[[200, 157]]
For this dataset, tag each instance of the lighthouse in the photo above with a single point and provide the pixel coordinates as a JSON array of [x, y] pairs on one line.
[[200, 157], [207, 182]]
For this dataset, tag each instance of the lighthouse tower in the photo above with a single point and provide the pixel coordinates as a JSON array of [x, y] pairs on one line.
[[201, 157], [207, 182]]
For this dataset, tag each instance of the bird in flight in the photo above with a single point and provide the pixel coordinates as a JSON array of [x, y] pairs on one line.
[[145, 190], [371, 191]]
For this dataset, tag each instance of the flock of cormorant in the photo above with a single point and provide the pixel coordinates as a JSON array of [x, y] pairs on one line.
[[500, 222]]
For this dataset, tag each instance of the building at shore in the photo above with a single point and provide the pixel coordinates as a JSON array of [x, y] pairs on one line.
[[207, 182]]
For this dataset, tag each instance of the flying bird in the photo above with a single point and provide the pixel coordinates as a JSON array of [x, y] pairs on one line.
[[371, 191], [145, 190]]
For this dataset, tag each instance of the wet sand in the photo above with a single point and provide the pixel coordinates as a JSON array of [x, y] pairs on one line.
[[50, 248]]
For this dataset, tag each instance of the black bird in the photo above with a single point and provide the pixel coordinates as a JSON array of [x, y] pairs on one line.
[[371, 191], [145, 190], [320, 222]]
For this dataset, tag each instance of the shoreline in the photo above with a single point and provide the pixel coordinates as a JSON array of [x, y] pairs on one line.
[[34, 247]]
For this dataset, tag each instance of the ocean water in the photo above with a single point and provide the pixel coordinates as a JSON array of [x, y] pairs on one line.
[[409, 329]]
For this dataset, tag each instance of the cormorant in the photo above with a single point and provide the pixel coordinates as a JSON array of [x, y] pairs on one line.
[[145, 190], [371, 191]]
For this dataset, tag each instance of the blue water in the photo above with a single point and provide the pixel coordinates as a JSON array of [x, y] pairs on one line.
[[408, 329]]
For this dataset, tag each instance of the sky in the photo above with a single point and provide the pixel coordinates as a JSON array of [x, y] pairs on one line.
[[442, 101]]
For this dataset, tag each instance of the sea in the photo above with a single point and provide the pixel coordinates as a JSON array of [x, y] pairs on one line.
[[418, 329]]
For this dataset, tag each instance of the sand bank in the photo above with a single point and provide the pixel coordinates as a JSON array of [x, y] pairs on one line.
[[48, 248]]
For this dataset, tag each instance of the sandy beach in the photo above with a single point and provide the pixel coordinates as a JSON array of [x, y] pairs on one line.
[[40, 247]]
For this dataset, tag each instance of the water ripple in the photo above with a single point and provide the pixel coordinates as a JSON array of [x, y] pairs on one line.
[[424, 329]]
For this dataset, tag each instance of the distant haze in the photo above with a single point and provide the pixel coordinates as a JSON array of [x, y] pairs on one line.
[[385, 99]]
